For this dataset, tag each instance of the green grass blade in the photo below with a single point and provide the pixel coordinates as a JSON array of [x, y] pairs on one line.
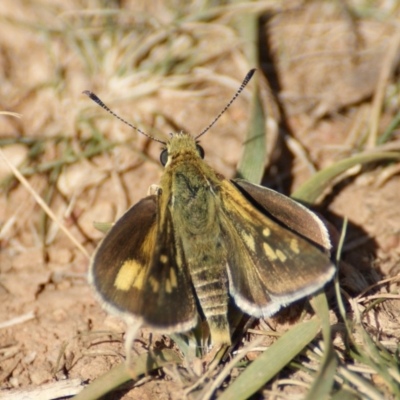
[[268, 364], [324, 380], [119, 374], [315, 186], [344, 394], [252, 163], [390, 129]]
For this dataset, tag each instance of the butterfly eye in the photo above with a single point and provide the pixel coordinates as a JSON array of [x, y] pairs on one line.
[[200, 150], [164, 157]]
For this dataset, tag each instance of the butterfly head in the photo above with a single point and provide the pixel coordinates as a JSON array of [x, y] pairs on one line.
[[181, 145]]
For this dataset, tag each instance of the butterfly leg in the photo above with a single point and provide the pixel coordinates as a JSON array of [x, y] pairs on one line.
[[130, 335]]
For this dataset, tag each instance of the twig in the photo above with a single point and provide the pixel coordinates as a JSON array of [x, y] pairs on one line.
[[42, 204], [18, 320]]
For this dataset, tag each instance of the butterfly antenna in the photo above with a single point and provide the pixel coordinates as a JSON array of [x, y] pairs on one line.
[[242, 86], [101, 104]]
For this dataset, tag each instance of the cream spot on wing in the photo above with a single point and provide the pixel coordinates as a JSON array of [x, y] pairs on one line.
[[249, 240], [155, 285], [269, 252], [139, 280], [168, 287], [172, 277], [281, 255], [129, 273], [163, 258], [266, 232], [294, 245]]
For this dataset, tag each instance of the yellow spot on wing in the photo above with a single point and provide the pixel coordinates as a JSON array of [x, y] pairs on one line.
[[172, 277], [130, 274], [155, 285], [147, 248], [171, 282], [269, 252], [281, 255], [266, 232], [294, 245], [163, 258], [249, 240]]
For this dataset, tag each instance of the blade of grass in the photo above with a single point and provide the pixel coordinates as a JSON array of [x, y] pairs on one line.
[[252, 163], [344, 394], [118, 375], [339, 299], [42, 204], [325, 378], [390, 129], [214, 385], [383, 81], [369, 353], [268, 364], [361, 384], [311, 190]]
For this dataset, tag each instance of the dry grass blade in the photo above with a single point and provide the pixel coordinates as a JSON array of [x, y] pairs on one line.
[[42, 204], [367, 352], [54, 390], [11, 114], [214, 385], [385, 73], [17, 320], [362, 385]]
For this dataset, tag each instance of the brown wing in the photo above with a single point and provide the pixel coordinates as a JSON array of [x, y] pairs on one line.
[[269, 265], [139, 270], [287, 211]]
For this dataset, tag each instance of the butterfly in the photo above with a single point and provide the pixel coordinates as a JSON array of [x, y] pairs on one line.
[[201, 241]]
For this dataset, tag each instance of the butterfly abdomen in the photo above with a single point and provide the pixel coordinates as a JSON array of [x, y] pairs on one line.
[[210, 281]]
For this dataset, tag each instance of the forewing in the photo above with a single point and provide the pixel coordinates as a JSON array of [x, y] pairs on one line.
[[269, 264], [168, 299], [139, 270], [287, 211]]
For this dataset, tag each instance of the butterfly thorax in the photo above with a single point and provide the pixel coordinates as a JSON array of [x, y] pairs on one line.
[[190, 193], [190, 187]]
